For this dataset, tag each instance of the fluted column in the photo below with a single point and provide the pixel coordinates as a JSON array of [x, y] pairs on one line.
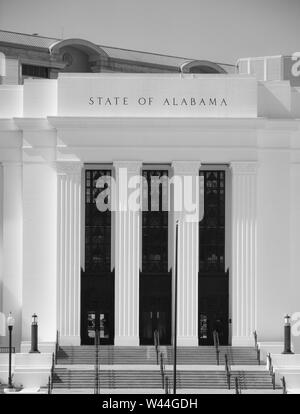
[[39, 196], [68, 262], [12, 244], [186, 202], [127, 254], [244, 254]]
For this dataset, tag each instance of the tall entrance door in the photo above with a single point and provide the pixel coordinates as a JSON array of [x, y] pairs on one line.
[[97, 308], [213, 295], [97, 320], [213, 309], [155, 309], [97, 280], [155, 280]]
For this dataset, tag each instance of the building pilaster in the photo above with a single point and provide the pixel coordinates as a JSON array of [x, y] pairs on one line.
[[39, 195], [244, 254], [68, 251], [127, 255], [186, 185], [12, 247]]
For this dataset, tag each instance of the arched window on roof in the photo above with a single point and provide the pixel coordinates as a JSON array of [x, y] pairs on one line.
[[201, 66], [77, 55]]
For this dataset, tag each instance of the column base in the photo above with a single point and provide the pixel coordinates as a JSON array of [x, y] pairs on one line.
[[242, 341], [43, 347], [70, 340], [127, 341], [187, 341]]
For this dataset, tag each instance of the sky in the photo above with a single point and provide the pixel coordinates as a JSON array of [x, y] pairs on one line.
[[217, 30]]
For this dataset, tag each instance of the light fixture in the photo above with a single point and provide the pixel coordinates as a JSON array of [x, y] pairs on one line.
[[10, 325], [10, 320]]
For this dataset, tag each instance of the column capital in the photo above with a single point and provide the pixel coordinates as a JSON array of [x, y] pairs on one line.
[[68, 167], [244, 167], [186, 167], [132, 167]]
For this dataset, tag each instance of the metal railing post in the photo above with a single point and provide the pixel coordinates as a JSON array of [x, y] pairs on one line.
[[56, 347], [167, 385], [256, 347], [284, 389], [50, 381], [162, 370], [97, 380], [228, 373], [271, 371], [175, 312], [216, 343], [270, 363], [156, 343], [236, 380], [49, 385], [273, 380]]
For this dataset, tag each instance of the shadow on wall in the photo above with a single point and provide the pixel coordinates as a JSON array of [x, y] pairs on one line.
[[274, 99]]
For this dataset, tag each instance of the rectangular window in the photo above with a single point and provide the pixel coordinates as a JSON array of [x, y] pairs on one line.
[[97, 224], [35, 71], [212, 226], [155, 221]]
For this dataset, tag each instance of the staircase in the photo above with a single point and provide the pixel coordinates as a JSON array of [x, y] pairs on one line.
[[151, 379], [136, 368], [145, 355]]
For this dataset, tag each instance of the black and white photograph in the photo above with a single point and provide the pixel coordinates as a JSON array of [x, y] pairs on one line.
[[149, 200]]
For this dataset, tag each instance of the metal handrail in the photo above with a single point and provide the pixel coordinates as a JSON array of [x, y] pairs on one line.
[[156, 344], [271, 371], [56, 346], [5, 349], [284, 389], [255, 338], [49, 385], [228, 371], [162, 370], [167, 387], [256, 347], [238, 389], [216, 344], [270, 363], [97, 379], [51, 376]]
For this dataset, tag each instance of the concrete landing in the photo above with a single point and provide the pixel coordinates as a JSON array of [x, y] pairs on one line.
[[160, 391]]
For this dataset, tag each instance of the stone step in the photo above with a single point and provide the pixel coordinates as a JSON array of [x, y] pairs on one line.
[[147, 355], [65, 378], [149, 391]]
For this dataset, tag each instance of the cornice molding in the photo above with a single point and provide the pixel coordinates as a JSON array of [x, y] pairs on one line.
[[37, 124], [186, 167], [203, 124], [244, 167], [70, 122], [133, 167], [68, 167]]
